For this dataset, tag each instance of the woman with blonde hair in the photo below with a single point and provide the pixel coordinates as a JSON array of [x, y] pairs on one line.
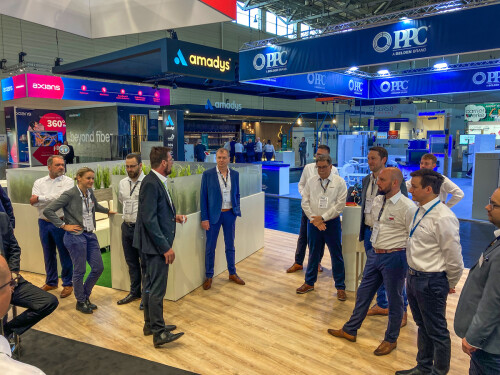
[[79, 206]]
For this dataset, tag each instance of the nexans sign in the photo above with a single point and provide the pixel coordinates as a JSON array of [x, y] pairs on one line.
[[196, 60]]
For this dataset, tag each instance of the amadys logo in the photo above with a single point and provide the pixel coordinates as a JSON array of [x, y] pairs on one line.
[[44, 86], [224, 105], [207, 62], [169, 123], [209, 105]]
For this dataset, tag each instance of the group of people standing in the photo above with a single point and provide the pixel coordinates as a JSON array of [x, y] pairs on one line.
[[249, 151]]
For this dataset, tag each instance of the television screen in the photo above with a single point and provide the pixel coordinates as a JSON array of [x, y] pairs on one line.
[[39, 139], [467, 139]]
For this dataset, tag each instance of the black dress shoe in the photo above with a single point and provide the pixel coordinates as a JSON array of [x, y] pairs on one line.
[[412, 371], [165, 337], [83, 307], [91, 305], [141, 306], [129, 298], [147, 329]]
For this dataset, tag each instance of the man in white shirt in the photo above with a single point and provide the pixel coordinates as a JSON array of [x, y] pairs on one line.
[[46, 190], [258, 149], [429, 161], [300, 252], [128, 195], [391, 216], [7, 364], [238, 149], [323, 200], [435, 266]]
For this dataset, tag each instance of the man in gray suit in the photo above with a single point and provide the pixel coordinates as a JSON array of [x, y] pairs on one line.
[[477, 319]]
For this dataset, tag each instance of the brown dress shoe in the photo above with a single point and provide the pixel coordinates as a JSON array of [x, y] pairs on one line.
[[67, 290], [377, 310], [207, 284], [294, 267], [405, 319], [320, 268], [48, 287], [385, 348], [341, 296], [236, 279], [304, 289], [340, 333]]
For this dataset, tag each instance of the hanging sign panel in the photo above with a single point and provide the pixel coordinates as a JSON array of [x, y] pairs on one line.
[[443, 34]]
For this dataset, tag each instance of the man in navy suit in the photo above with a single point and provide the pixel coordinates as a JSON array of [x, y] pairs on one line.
[[154, 235], [220, 205]]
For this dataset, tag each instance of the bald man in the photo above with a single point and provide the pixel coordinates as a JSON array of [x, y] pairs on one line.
[[392, 213]]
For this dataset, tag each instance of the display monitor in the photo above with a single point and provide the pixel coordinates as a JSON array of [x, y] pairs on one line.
[[39, 139], [467, 139]]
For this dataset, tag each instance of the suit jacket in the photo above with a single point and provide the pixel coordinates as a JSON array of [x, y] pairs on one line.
[[9, 248], [211, 195], [6, 206], [365, 183], [155, 226], [71, 203], [478, 312]]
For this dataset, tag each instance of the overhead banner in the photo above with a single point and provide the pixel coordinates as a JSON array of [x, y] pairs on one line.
[[446, 82], [483, 112], [325, 82], [444, 34]]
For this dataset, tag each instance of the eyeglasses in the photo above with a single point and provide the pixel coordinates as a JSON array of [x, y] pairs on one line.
[[493, 205], [131, 166], [12, 283]]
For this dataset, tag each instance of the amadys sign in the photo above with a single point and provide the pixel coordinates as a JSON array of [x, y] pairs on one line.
[[224, 105], [196, 60]]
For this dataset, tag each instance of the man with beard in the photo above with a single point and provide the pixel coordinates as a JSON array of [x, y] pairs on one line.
[[391, 217], [46, 190], [128, 195], [154, 235]]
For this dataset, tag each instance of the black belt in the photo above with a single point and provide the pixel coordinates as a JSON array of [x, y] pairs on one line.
[[87, 231], [413, 272], [129, 224]]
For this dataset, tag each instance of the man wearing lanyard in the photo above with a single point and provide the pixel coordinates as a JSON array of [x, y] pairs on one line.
[[435, 266], [391, 216], [323, 200], [477, 319], [220, 205], [46, 190], [128, 195], [377, 157], [309, 171]]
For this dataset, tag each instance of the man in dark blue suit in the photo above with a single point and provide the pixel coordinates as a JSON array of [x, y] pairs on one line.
[[220, 205], [154, 235]]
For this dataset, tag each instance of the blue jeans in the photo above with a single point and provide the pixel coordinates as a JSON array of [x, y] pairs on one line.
[[381, 269], [51, 236], [269, 156], [484, 363], [84, 248], [228, 222], [381, 293], [332, 238]]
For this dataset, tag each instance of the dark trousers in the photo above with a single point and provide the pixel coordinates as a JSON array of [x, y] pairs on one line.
[[390, 270], [231, 156], [381, 292], [332, 238], [250, 158], [38, 303], [484, 363], [300, 252], [155, 287], [84, 248], [269, 156], [228, 222], [240, 157], [427, 294], [302, 159], [51, 236], [136, 267], [258, 156]]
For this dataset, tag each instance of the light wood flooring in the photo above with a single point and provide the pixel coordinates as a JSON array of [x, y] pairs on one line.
[[263, 327]]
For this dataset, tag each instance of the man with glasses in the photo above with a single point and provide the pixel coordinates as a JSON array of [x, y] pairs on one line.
[[128, 195], [38, 303], [300, 252], [477, 319]]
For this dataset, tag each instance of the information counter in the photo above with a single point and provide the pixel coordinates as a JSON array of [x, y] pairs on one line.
[[286, 157], [275, 177]]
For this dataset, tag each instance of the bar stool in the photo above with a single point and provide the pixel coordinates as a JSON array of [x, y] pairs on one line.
[[17, 340]]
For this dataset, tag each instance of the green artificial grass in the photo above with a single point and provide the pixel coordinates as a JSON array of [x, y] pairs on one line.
[[105, 279]]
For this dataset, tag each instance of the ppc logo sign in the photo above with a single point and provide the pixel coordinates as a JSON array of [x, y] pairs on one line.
[[395, 87], [403, 39], [356, 87], [317, 80], [273, 61], [209, 105], [490, 78], [169, 122], [180, 59]]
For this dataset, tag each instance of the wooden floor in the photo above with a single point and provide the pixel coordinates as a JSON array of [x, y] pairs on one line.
[[261, 328]]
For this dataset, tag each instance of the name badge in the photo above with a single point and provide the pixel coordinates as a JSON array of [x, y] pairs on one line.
[[129, 207], [226, 196], [88, 223], [368, 205], [323, 202], [375, 231]]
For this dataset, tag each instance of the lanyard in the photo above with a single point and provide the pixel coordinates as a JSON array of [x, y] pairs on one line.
[[324, 187], [415, 217], [224, 179], [382, 209], [85, 200], [132, 189]]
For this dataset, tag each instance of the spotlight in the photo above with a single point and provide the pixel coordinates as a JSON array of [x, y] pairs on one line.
[[299, 121], [383, 72], [186, 111], [155, 86], [352, 69], [58, 61], [21, 56], [405, 19], [441, 66], [173, 34]]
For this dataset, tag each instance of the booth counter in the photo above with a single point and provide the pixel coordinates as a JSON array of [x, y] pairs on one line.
[[275, 177], [286, 157]]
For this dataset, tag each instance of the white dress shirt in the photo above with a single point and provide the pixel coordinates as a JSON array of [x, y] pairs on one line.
[[371, 193], [334, 188], [309, 171], [48, 190], [448, 187], [435, 244], [258, 146], [9, 366], [394, 222], [238, 147], [163, 180], [268, 148], [225, 184], [128, 195]]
